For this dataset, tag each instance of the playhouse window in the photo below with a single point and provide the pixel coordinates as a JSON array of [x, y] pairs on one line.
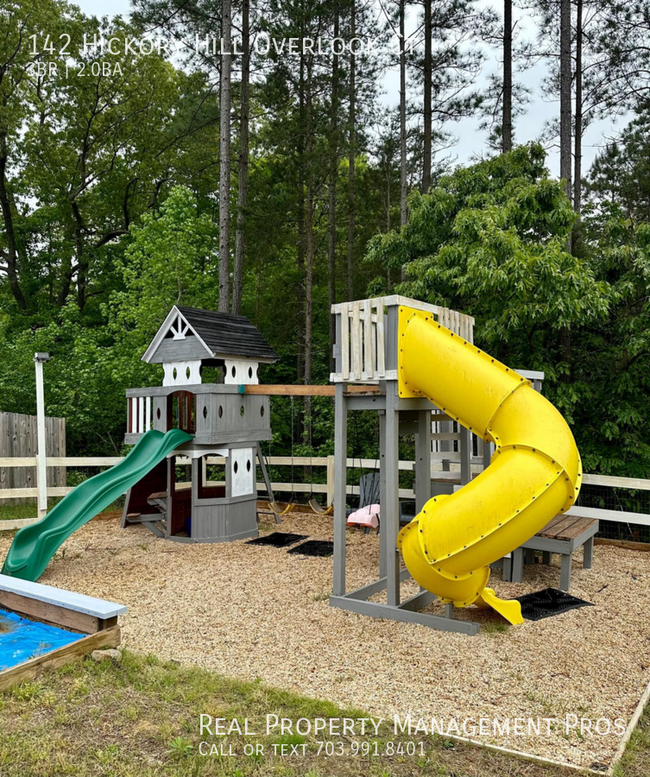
[[212, 479]]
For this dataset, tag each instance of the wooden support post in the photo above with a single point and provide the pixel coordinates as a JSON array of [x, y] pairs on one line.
[[330, 480], [382, 486], [488, 450], [390, 499], [588, 550], [465, 455], [565, 572], [340, 487], [423, 460]]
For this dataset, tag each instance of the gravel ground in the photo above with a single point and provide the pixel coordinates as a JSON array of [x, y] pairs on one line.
[[253, 611]]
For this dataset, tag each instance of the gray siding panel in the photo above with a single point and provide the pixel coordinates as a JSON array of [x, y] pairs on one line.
[[185, 350]]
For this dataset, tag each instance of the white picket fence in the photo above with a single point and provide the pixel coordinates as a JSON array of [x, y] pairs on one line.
[[326, 488]]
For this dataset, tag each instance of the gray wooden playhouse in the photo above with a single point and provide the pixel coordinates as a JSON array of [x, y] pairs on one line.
[[223, 421]]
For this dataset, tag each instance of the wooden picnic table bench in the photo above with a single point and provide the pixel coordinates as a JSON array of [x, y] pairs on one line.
[[563, 535]]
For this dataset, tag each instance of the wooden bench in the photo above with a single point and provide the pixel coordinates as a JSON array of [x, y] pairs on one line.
[[562, 535]]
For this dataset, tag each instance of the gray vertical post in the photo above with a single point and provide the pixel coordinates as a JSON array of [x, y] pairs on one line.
[[390, 508], [565, 572], [340, 486], [382, 488], [517, 565], [588, 549], [446, 445], [465, 455], [488, 450], [423, 460]]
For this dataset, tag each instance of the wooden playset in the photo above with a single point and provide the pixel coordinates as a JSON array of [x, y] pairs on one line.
[[221, 419]]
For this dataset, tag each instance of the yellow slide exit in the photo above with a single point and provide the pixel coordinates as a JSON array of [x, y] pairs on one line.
[[534, 474]]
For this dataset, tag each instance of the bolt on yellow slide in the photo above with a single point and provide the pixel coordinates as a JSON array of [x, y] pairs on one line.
[[535, 472]]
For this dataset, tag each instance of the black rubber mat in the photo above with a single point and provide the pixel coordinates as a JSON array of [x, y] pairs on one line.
[[278, 539], [550, 601], [314, 548]]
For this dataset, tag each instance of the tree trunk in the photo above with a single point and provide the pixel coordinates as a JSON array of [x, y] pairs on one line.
[[309, 254], [82, 262], [10, 230], [300, 220], [565, 94], [224, 159], [333, 176], [402, 111], [577, 161], [506, 120], [242, 190], [352, 149], [428, 116]]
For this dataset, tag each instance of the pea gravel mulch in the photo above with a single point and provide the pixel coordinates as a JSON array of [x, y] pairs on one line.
[[256, 611]]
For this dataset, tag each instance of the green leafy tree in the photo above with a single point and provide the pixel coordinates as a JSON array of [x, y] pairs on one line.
[[491, 240], [171, 260]]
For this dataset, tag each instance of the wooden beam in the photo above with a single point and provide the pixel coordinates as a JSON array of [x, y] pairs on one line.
[[297, 390], [75, 651], [627, 545], [16, 461]]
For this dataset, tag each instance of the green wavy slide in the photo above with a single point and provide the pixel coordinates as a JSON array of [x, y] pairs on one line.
[[34, 546]]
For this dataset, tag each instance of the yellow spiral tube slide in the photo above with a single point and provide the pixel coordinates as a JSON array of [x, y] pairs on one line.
[[535, 472]]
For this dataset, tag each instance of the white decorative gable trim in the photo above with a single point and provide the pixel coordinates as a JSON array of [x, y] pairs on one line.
[[180, 327]]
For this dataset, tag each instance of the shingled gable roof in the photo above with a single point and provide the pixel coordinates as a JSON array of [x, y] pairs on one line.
[[223, 335]]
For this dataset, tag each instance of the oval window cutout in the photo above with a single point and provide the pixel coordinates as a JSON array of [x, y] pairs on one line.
[[235, 467], [158, 414], [248, 466], [187, 373], [220, 411], [205, 411], [233, 371], [242, 410], [262, 411], [250, 372]]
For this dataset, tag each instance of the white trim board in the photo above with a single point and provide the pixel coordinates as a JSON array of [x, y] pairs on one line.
[[69, 600]]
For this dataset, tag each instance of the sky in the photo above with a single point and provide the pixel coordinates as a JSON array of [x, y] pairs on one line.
[[470, 138]]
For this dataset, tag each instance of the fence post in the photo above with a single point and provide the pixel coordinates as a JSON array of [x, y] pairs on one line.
[[41, 453], [330, 480]]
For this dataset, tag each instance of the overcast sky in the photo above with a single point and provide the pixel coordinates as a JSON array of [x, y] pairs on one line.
[[470, 139]]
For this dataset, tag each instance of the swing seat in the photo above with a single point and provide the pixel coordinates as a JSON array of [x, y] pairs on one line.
[[274, 507], [365, 517], [320, 510]]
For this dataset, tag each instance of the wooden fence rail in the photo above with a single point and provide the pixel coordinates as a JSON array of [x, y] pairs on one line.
[[327, 488]]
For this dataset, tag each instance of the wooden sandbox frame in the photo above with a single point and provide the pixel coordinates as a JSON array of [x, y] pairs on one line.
[[96, 621]]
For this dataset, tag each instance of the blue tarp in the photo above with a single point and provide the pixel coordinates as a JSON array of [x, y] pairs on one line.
[[22, 639]]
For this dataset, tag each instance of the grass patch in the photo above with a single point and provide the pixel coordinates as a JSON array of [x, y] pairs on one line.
[[636, 759], [140, 718], [18, 512], [28, 509]]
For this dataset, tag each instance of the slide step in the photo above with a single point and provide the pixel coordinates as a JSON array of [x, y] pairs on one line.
[[139, 518]]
